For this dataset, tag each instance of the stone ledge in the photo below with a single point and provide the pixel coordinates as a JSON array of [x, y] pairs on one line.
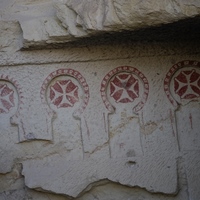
[[91, 21], [132, 172]]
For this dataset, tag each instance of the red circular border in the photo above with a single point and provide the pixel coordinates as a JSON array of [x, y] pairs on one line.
[[72, 73], [170, 74], [128, 69]]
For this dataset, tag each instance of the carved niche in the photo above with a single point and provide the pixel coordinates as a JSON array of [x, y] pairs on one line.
[[182, 87]]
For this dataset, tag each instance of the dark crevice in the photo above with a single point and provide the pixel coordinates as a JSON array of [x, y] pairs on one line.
[[183, 30]]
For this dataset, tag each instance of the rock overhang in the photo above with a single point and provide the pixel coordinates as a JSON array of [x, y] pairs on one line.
[[82, 23]]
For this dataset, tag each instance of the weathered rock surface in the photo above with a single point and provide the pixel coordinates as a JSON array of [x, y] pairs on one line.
[[132, 14], [192, 170], [80, 19], [12, 42], [75, 177], [115, 121], [49, 23], [136, 148]]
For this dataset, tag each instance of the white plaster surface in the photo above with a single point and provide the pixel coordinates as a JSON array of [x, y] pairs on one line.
[[98, 122], [192, 170], [84, 174], [91, 149]]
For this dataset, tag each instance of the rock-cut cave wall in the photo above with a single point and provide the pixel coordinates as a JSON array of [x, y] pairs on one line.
[[99, 100]]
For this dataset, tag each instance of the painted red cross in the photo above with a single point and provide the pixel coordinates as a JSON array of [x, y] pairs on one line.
[[64, 93], [124, 88], [187, 84], [6, 98]]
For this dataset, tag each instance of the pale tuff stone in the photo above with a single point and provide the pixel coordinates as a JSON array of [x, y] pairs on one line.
[[43, 31], [25, 9], [12, 42], [192, 161], [85, 18], [134, 149], [49, 22], [84, 175], [114, 122], [131, 14], [68, 19]]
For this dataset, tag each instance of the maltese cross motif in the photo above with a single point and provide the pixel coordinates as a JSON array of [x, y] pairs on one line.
[[124, 88], [64, 93], [187, 84], [6, 98]]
